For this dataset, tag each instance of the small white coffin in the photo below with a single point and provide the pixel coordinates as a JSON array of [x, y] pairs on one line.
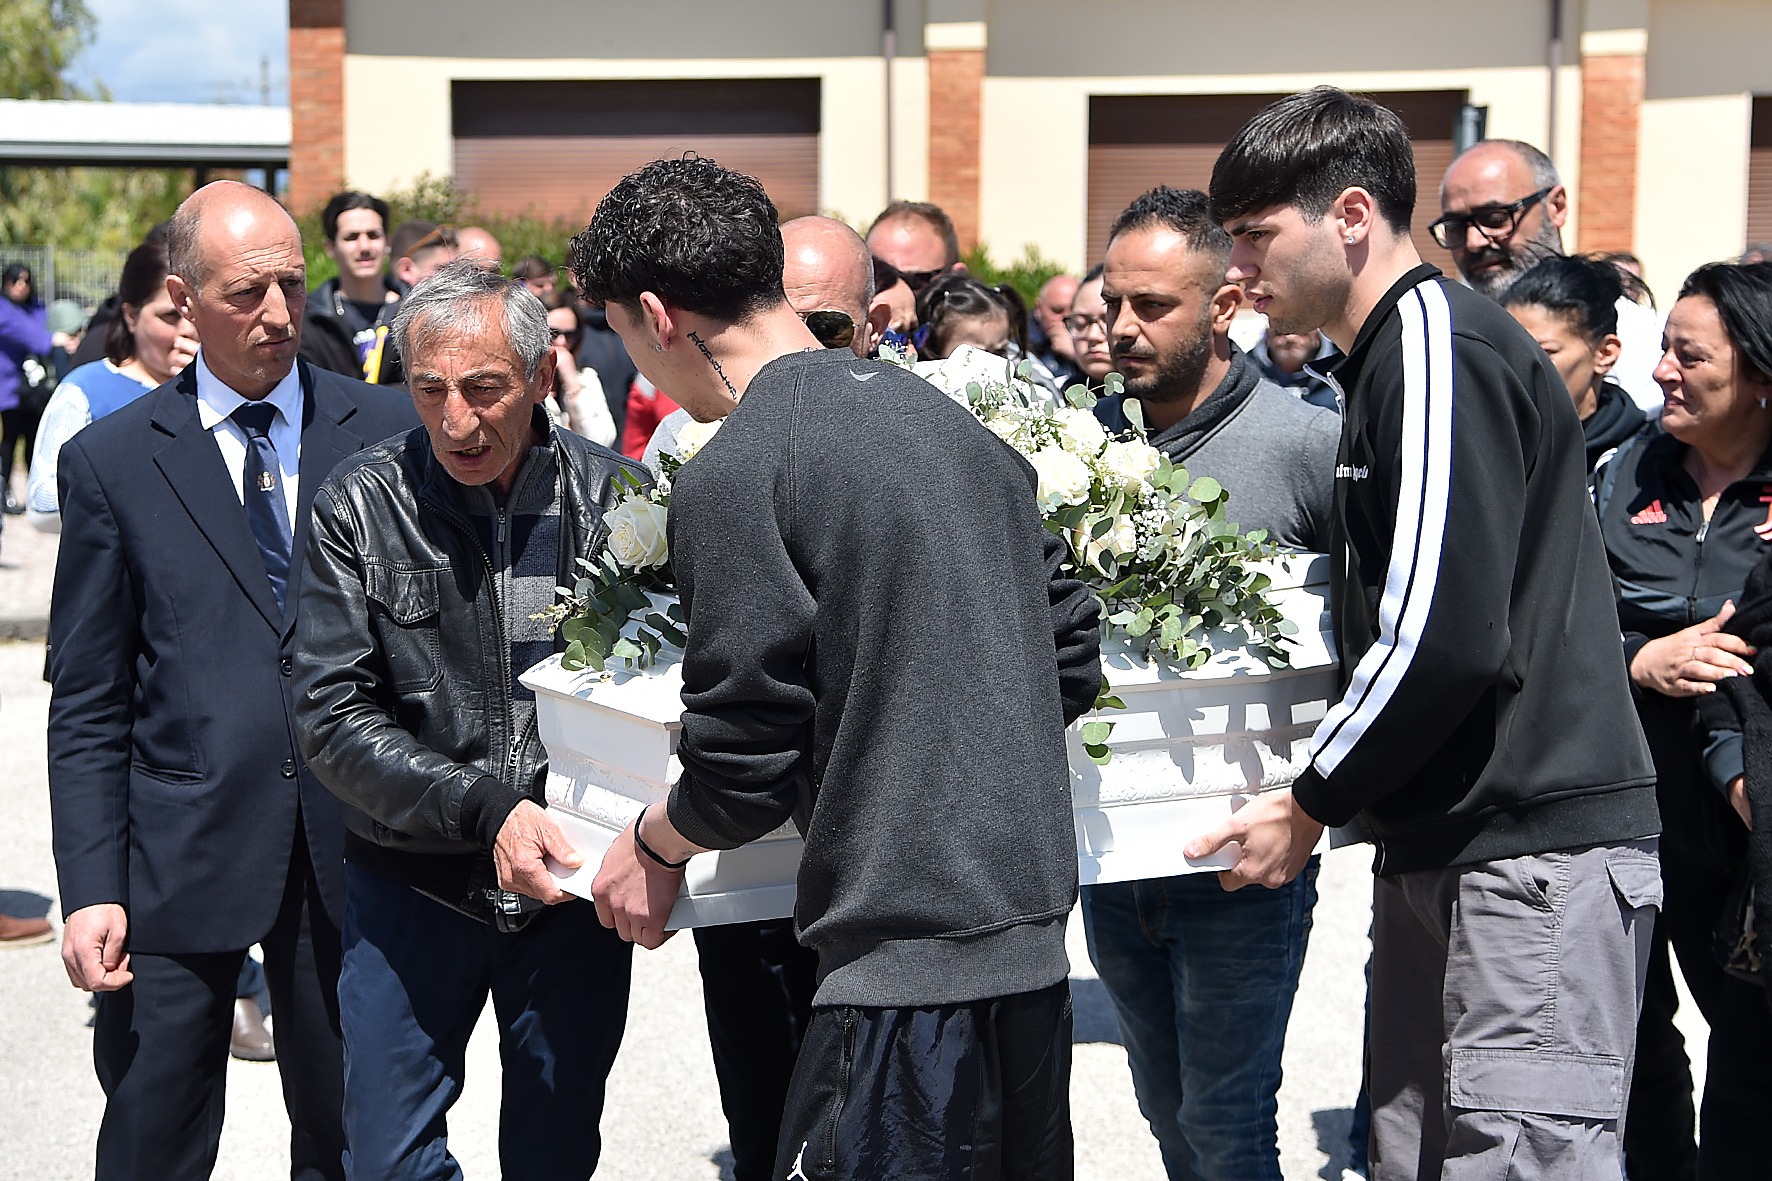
[[1188, 750]]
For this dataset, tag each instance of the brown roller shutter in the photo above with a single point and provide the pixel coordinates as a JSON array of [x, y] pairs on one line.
[[1138, 141], [554, 148], [1759, 172]]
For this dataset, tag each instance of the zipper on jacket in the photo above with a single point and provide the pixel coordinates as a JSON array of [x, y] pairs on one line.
[[498, 628], [1697, 570]]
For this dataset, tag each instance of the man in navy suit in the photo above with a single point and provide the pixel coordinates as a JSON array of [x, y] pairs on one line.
[[187, 828]]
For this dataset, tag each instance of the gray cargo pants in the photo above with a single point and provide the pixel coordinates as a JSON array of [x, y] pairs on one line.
[[1504, 1014]]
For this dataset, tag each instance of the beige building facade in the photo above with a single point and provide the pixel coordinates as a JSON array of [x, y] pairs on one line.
[[1032, 121]]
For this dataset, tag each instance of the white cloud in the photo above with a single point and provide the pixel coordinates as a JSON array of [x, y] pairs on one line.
[[188, 50]]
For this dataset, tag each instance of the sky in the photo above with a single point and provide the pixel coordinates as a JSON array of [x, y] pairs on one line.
[[187, 50]]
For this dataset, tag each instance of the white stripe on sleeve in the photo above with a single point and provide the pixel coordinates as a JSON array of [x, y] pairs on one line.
[[1422, 502]]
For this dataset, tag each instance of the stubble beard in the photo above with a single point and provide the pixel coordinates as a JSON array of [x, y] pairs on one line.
[[1177, 377], [1548, 241]]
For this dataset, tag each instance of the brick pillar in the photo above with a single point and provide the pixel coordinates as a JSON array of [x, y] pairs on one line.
[[316, 102], [1612, 71], [956, 120]]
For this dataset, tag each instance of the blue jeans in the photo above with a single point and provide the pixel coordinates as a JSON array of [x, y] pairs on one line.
[[1202, 981], [416, 976]]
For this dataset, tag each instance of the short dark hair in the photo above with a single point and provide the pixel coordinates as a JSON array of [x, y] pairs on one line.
[[144, 275], [1183, 210], [924, 211], [1306, 149], [532, 266], [1742, 293], [408, 236], [697, 235], [960, 296], [1584, 292], [346, 201]]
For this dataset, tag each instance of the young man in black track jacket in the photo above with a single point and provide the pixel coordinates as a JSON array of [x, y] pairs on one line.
[[1485, 737]]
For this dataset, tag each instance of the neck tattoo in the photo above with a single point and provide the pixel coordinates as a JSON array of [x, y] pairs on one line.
[[715, 362]]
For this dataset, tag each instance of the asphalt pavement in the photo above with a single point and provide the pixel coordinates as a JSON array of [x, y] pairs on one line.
[[662, 1118]]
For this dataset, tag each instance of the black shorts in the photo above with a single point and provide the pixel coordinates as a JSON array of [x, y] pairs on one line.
[[979, 1091]]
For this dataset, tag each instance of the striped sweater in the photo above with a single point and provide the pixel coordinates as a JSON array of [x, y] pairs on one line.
[[1486, 712]]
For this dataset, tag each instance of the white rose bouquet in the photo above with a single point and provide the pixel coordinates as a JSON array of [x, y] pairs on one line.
[[1170, 570], [623, 605]]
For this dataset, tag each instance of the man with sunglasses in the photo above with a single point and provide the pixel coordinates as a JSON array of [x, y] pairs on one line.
[[919, 239], [828, 276], [1502, 209]]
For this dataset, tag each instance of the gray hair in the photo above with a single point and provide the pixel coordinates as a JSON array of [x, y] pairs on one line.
[[184, 257], [454, 300]]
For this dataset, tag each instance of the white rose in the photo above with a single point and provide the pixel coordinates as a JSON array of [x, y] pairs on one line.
[[637, 533], [1121, 542], [1079, 430], [1064, 479], [1132, 463], [693, 436]]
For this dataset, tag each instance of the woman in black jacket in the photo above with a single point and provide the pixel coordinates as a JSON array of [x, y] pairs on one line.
[[1570, 306], [1686, 512]]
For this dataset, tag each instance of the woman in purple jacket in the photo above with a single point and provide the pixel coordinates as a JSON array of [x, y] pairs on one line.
[[24, 332]]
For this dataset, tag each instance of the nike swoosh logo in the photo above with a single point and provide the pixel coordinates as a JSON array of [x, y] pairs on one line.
[[863, 376]]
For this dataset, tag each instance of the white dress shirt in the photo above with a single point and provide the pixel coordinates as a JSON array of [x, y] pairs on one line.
[[215, 401]]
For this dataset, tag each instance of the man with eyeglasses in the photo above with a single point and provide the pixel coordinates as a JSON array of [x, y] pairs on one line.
[[919, 239], [1502, 209]]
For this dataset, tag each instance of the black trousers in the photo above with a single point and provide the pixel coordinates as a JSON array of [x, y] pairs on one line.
[[1702, 851], [160, 1045], [977, 1091], [756, 984]]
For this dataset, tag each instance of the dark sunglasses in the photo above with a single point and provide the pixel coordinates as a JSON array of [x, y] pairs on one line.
[[833, 330], [917, 280], [1495, 221]]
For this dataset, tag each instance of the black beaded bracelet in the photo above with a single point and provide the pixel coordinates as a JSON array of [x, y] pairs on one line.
[[648, 850]]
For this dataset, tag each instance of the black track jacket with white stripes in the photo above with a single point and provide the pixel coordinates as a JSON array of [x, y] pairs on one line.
[[1486, 712]]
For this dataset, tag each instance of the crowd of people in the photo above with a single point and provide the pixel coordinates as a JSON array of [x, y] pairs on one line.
[[293, 598]]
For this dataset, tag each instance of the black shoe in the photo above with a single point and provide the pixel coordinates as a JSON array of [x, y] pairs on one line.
[[14, 505]]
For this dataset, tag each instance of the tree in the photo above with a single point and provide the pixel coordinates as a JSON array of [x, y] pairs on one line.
[[74, 208], [39, 40]]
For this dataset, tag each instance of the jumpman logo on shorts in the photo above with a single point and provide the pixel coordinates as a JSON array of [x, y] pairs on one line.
[[799, 1173]]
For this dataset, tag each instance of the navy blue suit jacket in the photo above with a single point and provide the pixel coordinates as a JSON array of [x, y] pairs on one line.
[[176, 787]]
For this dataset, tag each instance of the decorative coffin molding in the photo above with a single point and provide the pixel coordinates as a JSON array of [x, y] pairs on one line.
[[1188, 750]]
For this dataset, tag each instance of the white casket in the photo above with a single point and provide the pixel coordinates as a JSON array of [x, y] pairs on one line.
[[1188, 750]]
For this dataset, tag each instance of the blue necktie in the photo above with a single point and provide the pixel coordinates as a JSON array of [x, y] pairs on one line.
[[261, 492]]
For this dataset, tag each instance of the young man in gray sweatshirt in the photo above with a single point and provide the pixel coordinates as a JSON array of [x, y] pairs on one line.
[[882, 647]]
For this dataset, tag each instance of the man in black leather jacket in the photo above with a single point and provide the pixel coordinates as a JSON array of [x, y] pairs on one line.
[[429, 557]]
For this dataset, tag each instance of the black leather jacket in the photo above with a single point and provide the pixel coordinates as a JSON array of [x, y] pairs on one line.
[[401, 698]]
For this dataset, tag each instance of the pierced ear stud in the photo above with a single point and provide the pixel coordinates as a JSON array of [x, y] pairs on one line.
[[1350, 239]]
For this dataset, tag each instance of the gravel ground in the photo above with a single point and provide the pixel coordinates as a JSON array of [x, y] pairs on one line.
[[663, 1116]]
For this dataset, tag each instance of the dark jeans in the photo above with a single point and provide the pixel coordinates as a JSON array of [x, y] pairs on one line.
[[161, 1048], [757, 984], [1202, 981], [416, 976], [977, 1091]]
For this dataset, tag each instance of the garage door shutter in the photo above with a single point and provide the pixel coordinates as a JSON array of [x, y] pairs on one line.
[[1759, 173], [1142, 140], [554, 148]]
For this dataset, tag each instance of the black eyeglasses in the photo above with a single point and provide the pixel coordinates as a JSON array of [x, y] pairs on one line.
[[832, 329], [1494, 221], [1079, 324]]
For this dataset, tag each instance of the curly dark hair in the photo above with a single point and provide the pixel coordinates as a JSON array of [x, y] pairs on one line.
[[699, 236]]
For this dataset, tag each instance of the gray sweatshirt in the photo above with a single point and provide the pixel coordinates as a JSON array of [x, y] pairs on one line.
[[881, 647]]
